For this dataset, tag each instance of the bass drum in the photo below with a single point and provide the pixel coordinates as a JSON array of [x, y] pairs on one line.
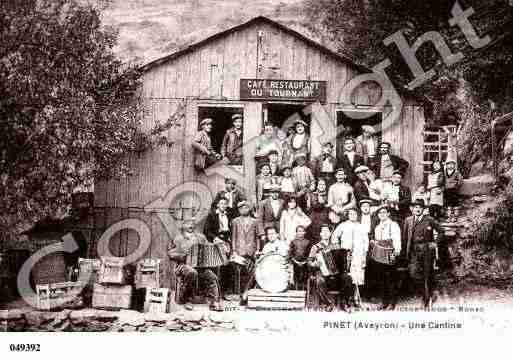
[[273, 273]]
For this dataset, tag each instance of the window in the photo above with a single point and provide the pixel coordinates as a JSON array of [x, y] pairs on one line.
[[227, 131]]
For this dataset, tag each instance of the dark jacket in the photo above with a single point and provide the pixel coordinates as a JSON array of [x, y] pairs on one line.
[[266, 216], [238, 197], [346, 164], [316, 164], [231, 147], [419, 232], [360, 190], [211, 229], [202, 147], [397, 162], [404, 201]]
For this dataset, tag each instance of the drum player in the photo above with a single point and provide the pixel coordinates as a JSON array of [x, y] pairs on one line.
[[177, 251]]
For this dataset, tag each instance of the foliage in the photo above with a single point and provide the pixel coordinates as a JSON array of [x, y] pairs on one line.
[[496, 230], [69, 109]]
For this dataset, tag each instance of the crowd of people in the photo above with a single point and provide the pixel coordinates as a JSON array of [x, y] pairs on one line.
[[351, 207]]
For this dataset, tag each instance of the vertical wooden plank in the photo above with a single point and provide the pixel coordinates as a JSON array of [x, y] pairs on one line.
[[231, 68], [250, 63], [286, 56], [419, 120], [252, 128], [205, 71]]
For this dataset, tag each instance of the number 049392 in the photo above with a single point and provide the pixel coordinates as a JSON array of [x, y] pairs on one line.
[[24, 347]]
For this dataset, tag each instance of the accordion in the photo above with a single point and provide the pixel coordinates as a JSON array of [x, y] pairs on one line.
[[206, 255], [327, 262], [383, 252]]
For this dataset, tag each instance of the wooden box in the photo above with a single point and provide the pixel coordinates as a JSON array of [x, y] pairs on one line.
[[58, 295], [147, 274], [88, 269], [292, 299], [156, 300], [112, 296], [112, 271]]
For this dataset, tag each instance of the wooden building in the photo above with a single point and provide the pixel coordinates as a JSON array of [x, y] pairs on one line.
[[216, 78]]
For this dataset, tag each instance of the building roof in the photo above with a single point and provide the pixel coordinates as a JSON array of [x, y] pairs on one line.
[[255, 20], [262, 19]]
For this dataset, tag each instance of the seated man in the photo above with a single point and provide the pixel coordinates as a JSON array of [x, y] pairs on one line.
[[320, 285], [177, 251]]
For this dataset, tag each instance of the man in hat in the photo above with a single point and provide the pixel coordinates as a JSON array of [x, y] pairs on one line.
[[245, 244], [398, 198], [366, 143], [324, 165], [384, 164], [361, 185], [420, 234], [231, 147], [269, 212], [350, 160], [178, 250], [204, 154], [233, 195]]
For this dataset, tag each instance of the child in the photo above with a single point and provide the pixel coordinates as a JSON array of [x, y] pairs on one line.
[[288, 183], [435, 186], [299, 249], [453, 180], [264, 182], [304, 178]]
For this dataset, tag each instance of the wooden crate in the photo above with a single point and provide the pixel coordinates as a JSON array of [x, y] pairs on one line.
[[112, 296], [88, 268], [292, 299], [50, 269], [156, 300], [147, 274], [112, 271], [58, 295]]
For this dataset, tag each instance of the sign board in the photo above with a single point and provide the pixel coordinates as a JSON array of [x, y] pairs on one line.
[[289, 90]]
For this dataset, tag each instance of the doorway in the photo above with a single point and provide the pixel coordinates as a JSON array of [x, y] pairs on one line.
[[349, 125]]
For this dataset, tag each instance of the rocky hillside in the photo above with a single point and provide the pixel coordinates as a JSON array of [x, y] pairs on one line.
[[149, 29]]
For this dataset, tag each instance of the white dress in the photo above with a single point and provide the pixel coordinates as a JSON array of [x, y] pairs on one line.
[[354, 236]]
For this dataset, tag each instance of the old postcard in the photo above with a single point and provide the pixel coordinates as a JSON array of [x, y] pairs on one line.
[[329, 167]]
